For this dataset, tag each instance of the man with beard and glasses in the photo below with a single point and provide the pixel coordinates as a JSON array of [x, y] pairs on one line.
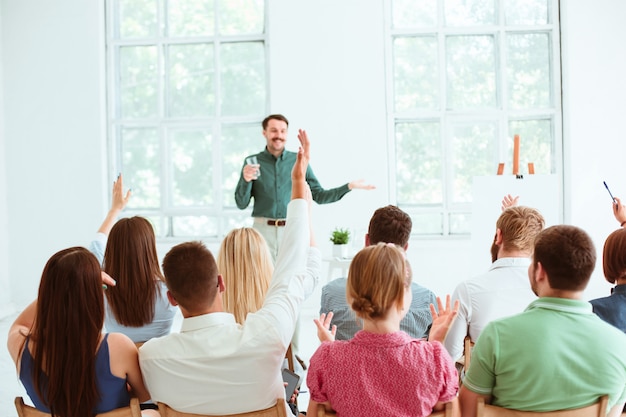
[[557, 354]]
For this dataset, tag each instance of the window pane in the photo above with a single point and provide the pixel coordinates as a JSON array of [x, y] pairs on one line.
[[469, 12], [141, 166], [535, 144], [416, 80], [191, 17], [427, 223], [192, 226], [527, 12], [243, 79], [137, 18], [237, 142], [191, 80], [241, 16], [474, 151], [138, 81], [156, 224], [470, 68], [191, 168], [460, 223], [419, 163], [414, 13], [528, 70]]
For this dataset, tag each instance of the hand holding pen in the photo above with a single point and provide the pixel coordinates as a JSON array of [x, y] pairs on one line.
[[619, 211]]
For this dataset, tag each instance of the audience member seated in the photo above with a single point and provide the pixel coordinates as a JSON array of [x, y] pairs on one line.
[[67, 365], [388, 225], [612, 309], [504, 289], [215, 365], [381, 371], [138, 305], [557, 354], [245, 263]]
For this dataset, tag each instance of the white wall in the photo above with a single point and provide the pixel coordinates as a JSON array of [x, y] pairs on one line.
[[53, 98], [6, 305], [594, 88], [327, 76]]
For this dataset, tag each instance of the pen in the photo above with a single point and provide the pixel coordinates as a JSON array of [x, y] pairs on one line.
[[607, 188]]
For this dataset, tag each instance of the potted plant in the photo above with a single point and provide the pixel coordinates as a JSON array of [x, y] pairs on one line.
[[340, 238]]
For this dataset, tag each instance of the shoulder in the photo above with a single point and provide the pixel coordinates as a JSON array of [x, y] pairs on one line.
[[328, 350], [600, 302], [336, 286], [419, 290], [120, 344]]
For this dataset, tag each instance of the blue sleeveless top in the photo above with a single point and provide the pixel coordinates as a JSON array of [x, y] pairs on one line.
[[112, 389]]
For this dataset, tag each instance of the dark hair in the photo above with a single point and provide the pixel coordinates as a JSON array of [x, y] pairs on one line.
[[66, 333], [131, 259], [614, 256], [377, 279], [191, 275], [568, 256], [519, 226], [274, 117], [390, 225]]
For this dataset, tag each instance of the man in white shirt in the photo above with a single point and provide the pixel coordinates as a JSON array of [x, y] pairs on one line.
[[214, 365], [504, 290]]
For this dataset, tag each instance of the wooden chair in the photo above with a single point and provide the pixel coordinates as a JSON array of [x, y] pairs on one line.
[[289, 357], [277, 410], [446, 412], [467, 353], [132, 410], [595, 410]]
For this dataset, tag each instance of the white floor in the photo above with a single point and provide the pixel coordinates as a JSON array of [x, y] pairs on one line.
[[10, 387]]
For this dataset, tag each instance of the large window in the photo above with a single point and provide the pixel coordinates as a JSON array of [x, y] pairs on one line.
[[465, 77], [187, 89]]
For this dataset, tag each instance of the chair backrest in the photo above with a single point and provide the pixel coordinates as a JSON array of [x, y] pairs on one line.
[[446, 412], [132, 410], [277, 410], [289, 357], [595, 410], [467, 353]]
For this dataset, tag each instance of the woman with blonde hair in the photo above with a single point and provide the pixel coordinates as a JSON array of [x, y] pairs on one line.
[[382, 370], [67, 365], [137, 306], [245, 263]]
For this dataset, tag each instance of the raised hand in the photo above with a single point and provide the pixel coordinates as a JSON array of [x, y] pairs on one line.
[[119, 200], [619, 211], [299, 187], [442, 320], [509, 201], [325, 333]]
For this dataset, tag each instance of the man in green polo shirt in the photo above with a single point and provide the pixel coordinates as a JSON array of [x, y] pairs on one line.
[[557, 354], [269, 182]]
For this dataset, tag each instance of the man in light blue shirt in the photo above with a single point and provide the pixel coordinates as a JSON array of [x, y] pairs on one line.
[[390, 225]]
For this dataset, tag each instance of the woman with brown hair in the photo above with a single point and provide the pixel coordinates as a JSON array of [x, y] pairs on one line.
[[137, 306], [67, 365], [245, 263], [382, 370]]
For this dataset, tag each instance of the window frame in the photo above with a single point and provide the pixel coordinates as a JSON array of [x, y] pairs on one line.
[[163, 217], [502, 113]]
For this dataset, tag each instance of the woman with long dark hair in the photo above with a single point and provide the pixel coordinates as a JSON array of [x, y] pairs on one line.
[[67, 365], [137, 306]]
